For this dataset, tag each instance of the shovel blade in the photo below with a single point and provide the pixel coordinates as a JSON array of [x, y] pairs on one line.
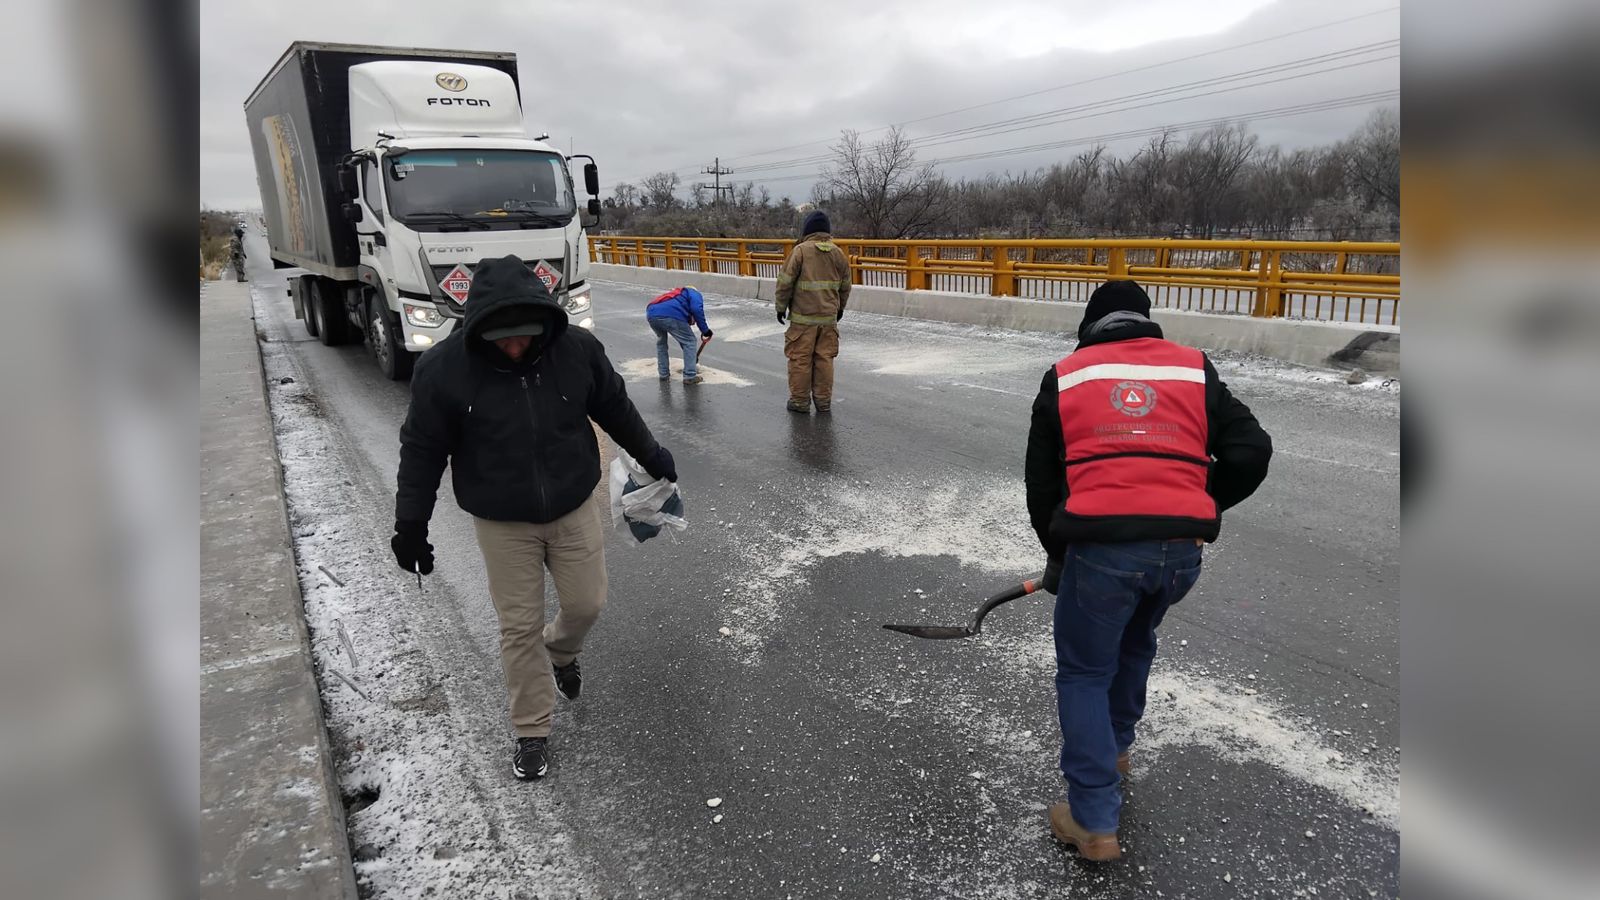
[[934, 632]]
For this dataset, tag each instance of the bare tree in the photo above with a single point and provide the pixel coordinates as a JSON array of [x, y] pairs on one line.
[[661, 190], [1206, 174], [881, 188], [1213, 183], [624, 195], [1373, 160], [1141, 195]]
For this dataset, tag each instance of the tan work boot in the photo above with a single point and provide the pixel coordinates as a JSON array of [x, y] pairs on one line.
[[1124, 766], [1090, 846]]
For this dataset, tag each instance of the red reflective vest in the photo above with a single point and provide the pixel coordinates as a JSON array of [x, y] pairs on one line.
[[1134, 425]]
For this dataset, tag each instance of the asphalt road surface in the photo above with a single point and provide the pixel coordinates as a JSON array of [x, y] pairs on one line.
[[851, 761]]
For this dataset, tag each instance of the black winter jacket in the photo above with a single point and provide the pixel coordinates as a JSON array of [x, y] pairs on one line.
[[516, 434], [1238, 446]]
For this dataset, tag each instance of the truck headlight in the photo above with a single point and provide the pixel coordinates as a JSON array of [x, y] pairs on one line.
[[424, 316]]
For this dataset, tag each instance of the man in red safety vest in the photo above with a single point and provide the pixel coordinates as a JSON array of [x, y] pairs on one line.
[[1135, 448]]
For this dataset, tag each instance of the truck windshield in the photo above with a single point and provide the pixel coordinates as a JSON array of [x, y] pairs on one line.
[[480, 185]]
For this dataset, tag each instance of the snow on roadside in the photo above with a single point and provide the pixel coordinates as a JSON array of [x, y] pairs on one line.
[[421, 821]]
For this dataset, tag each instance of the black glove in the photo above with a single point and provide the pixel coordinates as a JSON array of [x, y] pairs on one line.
[[411, 548], [705, 334], [781, 318], [659, 464], [840, 316], [1051, 580]]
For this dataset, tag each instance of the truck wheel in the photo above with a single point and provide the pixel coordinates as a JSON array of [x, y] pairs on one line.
[[333, 327], [303, 290], [383, 336]]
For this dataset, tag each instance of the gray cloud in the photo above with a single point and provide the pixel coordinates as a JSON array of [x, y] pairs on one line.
[[650, 86]]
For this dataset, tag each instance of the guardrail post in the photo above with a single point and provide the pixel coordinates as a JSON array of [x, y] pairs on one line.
[[746, 267], [705, 261], [638, 253], [1003, 283], [1116, 263], [855, 268], [668, 255], [916, 271], [1269, 286]]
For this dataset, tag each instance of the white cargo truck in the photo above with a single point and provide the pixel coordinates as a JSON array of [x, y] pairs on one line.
[[387, 174]]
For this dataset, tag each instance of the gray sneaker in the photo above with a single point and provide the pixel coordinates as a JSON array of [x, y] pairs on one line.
[[695, 380]]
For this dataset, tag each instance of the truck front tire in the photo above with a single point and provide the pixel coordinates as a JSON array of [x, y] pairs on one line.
[[386, 342]]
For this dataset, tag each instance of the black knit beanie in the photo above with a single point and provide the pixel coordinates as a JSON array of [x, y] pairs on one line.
[[816, 221], [1115, 296]]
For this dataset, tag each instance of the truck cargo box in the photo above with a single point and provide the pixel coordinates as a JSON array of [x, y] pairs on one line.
[[299, 121]]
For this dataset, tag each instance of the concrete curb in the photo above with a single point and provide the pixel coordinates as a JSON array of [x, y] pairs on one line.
[[271, 817], [1374, 347]]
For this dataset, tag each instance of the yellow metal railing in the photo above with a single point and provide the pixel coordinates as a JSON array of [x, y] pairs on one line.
[[1344, 281]]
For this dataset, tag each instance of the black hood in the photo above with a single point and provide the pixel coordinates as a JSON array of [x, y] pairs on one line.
[[1118, 326], [506, 284]]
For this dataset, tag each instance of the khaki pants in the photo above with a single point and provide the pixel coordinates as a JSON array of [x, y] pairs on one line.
[[516, 555], [811, 349]]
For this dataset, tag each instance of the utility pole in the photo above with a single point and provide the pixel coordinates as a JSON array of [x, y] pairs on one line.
[[716, 171]]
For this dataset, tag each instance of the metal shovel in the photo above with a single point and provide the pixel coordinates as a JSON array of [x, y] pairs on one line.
[[947, 632]]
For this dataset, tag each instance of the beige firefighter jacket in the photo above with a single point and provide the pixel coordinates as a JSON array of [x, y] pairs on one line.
[[815, 282]]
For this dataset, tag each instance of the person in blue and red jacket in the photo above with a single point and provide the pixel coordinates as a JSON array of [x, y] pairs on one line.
[[1135, 449], [669, 315]]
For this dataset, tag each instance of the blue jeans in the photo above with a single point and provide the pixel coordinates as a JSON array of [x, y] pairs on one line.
[[1111, 599], [663, 327]]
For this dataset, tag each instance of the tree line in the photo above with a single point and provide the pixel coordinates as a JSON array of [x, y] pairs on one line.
[[1214, 183]]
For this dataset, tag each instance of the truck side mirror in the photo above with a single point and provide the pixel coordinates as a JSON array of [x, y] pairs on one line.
[[348, 183], [591, 179], [591, 216], [352, 212]]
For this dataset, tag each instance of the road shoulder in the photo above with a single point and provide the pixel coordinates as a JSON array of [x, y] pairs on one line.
[[272, 822]]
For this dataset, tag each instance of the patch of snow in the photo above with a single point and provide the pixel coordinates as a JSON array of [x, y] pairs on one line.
[[644, 369]]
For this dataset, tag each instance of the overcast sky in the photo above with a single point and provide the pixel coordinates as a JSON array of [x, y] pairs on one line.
[[650, 86]]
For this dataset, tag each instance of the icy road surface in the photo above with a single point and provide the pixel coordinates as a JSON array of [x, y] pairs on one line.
[[850, 761]]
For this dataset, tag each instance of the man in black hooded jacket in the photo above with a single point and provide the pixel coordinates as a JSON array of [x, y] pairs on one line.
[[1135, 449], [507, 401]]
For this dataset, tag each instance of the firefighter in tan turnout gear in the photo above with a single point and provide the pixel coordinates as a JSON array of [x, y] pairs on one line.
[[812, 290]]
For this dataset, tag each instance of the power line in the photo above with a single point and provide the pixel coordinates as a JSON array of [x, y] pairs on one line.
[[1113, 137], [1096, 79], [1251, 77]]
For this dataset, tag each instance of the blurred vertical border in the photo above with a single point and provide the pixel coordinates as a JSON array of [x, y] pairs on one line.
[[1501, 431], [99, 529]]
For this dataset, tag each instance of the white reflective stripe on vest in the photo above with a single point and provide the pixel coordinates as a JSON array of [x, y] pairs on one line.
[[1130, 372]]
